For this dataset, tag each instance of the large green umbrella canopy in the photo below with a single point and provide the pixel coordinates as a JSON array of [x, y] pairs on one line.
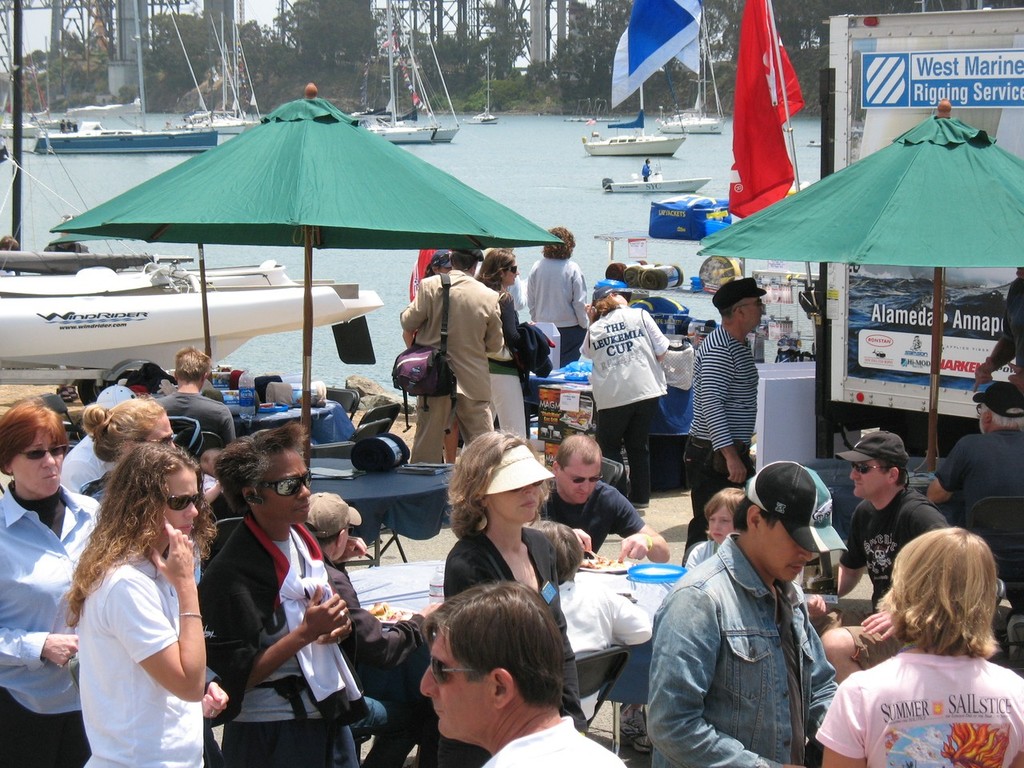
[[941, 195], [309, 175], [309, 165]]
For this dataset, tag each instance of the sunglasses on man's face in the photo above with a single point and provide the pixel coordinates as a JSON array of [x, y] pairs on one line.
[[863, 469], [57, 451], [582, 480], [441, 672], [288, 486], [179, 503]]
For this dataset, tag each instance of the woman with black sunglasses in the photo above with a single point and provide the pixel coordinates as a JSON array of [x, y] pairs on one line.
[[498, 273], [43, 530], [133, 597], [273, 622]]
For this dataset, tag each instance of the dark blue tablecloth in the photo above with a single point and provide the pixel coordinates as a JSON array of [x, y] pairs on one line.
[[675, 410], [329, 424], [414, 506]]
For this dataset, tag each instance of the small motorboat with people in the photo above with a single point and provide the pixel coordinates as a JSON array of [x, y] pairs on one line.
[[655, 183]]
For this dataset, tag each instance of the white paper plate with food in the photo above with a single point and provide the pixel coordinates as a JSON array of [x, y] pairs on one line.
[[389, 614]]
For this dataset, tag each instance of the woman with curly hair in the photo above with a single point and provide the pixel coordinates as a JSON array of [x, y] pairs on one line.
[[108, 430], [939, 702], [43, 530], [498, 273], [557, 293], [135, 603], [496, 491]]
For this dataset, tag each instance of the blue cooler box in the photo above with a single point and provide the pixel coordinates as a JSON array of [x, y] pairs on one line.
[[684, 217]]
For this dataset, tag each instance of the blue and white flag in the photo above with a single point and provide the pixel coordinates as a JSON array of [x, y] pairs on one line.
[[659, 30]]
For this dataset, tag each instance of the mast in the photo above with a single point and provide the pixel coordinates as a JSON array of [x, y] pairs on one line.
[[393, 105], [17, 107], [139, 5]]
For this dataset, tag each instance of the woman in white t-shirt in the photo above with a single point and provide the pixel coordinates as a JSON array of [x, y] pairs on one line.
[[939, 702], [135, 602], [627, 348]]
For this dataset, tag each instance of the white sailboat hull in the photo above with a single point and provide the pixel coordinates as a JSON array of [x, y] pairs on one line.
[[705, 124], [101, 331], [633, 146]]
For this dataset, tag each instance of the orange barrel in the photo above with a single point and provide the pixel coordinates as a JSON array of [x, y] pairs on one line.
[[616, 271]]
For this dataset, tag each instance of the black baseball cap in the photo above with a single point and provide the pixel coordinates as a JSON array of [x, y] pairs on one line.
[[735, 290], [1003, 398], [883, 446], [442, 259], [788, 490]]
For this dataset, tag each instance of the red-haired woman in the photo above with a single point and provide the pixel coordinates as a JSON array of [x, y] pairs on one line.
[[43, 530]]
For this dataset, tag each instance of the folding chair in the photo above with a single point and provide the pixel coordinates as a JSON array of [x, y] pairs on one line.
[[341, 450], [389, 411], [371, 428], [1000, 521], [614, 474], [56, 404], [597, 672], [347, 398], [225, 527]]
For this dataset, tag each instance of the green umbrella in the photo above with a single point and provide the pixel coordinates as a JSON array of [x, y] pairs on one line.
[[309, 175], [941, 195]]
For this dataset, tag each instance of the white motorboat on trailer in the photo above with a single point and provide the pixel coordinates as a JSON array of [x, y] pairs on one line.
[[656, 183]]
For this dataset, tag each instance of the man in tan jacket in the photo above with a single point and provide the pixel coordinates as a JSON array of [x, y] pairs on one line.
[[474, 332]]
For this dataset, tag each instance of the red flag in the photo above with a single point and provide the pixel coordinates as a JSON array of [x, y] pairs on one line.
[[422, 262], [762, 172]]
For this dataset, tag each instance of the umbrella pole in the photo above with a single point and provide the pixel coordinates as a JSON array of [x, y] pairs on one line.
[[205, 302], [307, 333], [938, 326]]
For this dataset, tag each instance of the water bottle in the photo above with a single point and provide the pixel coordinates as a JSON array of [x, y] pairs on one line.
[[437, 585], [246, 394]]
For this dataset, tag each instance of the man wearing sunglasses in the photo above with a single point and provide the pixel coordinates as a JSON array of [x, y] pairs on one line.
[[495, 679], [593, 509], [724, 402], [891, 515]]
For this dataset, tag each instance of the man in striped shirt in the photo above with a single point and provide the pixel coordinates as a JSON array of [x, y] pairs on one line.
[[724, 402]]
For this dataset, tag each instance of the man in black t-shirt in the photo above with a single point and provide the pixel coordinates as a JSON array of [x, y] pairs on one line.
[[890, 516], [593, 509]]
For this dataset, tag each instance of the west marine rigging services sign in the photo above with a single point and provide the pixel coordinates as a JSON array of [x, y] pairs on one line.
[[989, 78]]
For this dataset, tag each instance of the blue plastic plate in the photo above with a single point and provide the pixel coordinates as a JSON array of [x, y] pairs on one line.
[[655, 573], [272, 408]]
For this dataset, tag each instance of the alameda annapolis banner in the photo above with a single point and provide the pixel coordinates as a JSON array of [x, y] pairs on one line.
[[767, 95], [659, 31]]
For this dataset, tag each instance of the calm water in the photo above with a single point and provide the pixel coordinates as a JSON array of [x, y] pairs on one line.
[[535, 165]]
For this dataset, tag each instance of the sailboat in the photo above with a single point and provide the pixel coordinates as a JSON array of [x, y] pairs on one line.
[[699, 119], [226, 121], [657, 33], [406, 129], [485, 117], [636, 144], [90, 137]]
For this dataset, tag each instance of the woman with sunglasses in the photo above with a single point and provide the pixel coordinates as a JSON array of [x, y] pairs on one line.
[[108, 431], [627, 348], [273, 622], [43, 530], [498, 273], [134, 600], [497, 489]]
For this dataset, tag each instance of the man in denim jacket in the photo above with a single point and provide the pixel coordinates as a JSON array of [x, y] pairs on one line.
[[738, 676]]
